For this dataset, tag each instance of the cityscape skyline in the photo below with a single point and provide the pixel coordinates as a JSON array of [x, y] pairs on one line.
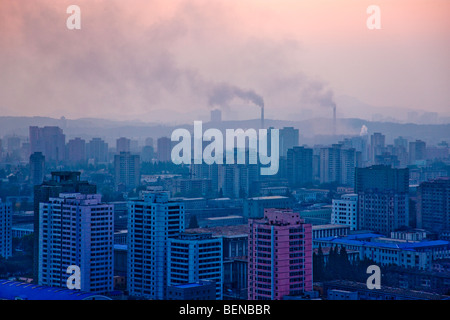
[[365, 198], [236, 152]]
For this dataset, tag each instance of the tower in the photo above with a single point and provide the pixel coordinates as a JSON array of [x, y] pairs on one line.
[[127, 171], [151, 221], [5, 229], [262, 117], [383, 198], [60, 182], [37, 168], [280, 255], [76, 229], [192, 258]]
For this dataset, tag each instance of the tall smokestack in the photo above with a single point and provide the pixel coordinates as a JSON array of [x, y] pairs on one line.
[[334, 119], [262, 117]]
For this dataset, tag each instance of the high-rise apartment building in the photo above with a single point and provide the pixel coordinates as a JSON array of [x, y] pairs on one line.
[[152, 220], [401, 151], [433, 205], [235, 180], [387, 159], [382, 178], [417, 151], [383, 198], [164, 149], [149, 142], [37, 168], [147, 154], [192, 258], [280, 255], [76, 230], [5, 229], [127, 169], [362, 147], [330, 164], [76, 151], [13, 144], [123, 145], [401, 142], [299, 166], [377, 145], [337, 164], [134, 146], [97, 149], [48, 140], [60, 182], [344, 211], [288, 139], [348, 165]]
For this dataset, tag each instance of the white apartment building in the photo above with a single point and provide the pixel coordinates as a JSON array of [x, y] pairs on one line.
[[344, 211], [192, 258], [151, 221], [76, 229]]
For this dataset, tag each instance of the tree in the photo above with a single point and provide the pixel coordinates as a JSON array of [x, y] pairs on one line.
[[331, 267], [344, 267], [318, 264]]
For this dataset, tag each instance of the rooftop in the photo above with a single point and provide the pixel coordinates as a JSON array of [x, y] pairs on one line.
[[12, 290], [268, 198], [368, 240], [352, 286], [192, 285], [224, 217], [326, 251], [330, 226], [237, 230]]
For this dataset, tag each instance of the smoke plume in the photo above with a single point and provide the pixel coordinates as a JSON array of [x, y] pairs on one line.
[[222, 94], [318, 93], [364, 131]]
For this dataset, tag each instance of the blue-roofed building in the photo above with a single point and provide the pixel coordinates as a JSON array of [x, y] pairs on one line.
[[388, 251], [350, 290], [14, 290]]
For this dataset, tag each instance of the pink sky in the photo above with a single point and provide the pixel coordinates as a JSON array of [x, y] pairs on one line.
[[140, 58]]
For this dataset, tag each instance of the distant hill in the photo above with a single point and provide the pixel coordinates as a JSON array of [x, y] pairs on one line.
[[313, 131]]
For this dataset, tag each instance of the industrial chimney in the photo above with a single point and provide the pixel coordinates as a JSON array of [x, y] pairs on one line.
[[262, 117], [334, 119]]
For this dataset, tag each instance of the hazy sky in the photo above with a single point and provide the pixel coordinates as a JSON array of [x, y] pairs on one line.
[[148, 60]]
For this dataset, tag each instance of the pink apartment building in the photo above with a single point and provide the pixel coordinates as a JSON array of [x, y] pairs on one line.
[[279, 255]]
